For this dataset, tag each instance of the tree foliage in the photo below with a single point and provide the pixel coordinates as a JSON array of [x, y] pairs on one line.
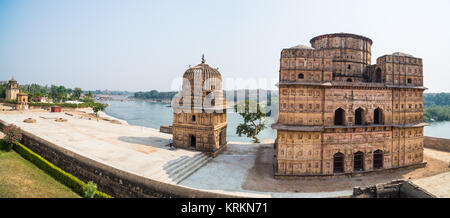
[[76, 94], [89, 190], [254, 120], [155, 95], [436, 107], [97, 108], [3, 91]]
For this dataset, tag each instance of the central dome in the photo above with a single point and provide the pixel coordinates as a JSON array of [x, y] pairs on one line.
[[207, 76]]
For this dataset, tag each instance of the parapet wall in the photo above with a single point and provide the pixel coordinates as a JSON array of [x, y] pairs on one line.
[[110, 180], [436, 143]]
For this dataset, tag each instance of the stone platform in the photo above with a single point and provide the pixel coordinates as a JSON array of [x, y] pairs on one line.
[[242, 170]]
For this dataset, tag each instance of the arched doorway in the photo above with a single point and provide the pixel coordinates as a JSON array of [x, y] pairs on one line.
[[378, 116], [339, 117], [378, 75], [193, 141], [358, 161], [378, 159], [359, 116], [338, 163]]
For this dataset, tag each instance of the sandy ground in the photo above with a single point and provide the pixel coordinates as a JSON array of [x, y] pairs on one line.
[[142, 151], [438, 185]]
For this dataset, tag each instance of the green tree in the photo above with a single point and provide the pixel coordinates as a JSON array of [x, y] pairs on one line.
[[89, 95], [2, 91], [76, 93], [98, 107], [254, 119]]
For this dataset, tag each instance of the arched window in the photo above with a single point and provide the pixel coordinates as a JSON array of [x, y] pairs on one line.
[[378, 159], [409, 81], [301, 76], [349, 80], [358, 161], [349, 67], [339, 116], [359, 116], [338, 163], [378, 75], [193, 141], [378, 116], [193, 118]]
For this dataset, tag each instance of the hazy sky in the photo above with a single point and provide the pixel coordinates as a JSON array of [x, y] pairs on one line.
[[143, 45]]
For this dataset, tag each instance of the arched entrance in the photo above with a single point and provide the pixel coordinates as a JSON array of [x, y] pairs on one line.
[[378, 116], [339, 117], [359, 116], [358, 161], [338, 163], [193, 141], [378, 159], [378, 76]]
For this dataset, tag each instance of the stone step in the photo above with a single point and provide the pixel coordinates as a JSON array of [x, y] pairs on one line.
[[167, 174], [176, 163], [191, 169], [180, 167]]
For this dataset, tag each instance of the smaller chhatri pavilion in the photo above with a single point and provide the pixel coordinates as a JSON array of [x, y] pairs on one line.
[[13, 93], [200, 118], [12, 89]]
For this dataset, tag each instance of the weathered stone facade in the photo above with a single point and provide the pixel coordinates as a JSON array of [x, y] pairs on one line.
[[340, 114], [200, 119], [12, 89], [22, 101]]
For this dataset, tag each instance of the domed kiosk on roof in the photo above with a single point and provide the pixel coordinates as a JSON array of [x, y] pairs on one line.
[[12, 89], [200, 120]]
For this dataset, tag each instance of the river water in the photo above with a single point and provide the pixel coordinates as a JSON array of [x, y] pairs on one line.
[[154, 115]]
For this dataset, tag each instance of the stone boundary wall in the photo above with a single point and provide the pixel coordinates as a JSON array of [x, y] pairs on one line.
[[110, 180], [436, 143], [393, 189], [165, 129]]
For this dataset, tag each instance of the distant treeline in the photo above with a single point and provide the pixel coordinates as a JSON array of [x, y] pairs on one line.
[[57, 93], [109, 92], [253, 94], [436, 107], [155, 95]]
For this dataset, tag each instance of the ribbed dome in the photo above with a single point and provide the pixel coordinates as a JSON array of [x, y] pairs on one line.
[[301, 47], [401, 54], [209, 76]]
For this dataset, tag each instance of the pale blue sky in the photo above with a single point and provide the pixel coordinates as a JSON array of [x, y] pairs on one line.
[[143, 45]]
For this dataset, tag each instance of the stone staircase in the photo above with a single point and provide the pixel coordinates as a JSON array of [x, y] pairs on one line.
[[177, 171]]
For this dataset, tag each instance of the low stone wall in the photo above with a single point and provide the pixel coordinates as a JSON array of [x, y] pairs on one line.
[[165, 129], [393, 189], [110, 180], [436, 143]]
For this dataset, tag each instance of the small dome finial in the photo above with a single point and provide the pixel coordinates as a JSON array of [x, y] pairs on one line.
[[203, 58]]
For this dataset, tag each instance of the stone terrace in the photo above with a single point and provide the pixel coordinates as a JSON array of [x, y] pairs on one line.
[[143, 151]]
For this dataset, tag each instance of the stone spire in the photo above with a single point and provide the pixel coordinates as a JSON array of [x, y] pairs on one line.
[[203, 58]]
